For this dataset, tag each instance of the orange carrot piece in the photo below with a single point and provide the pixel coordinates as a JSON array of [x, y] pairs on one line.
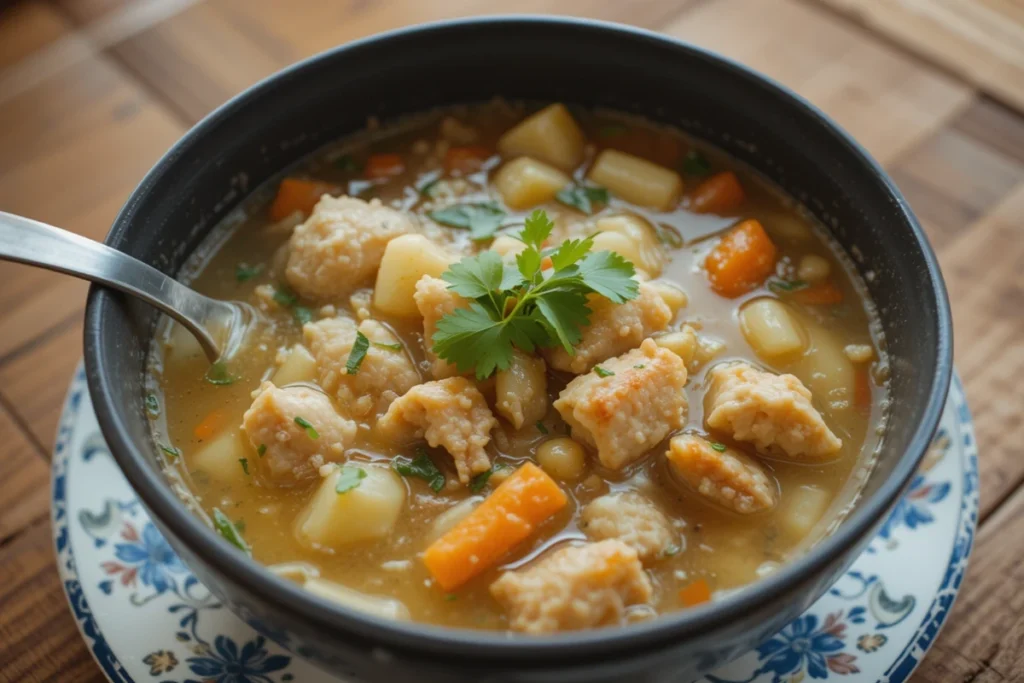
[[384, 165], [512, 512], [818, 294], [720, 194], [210, 425], [465, 159], [862, 390], [296, 194], [696, 593], [741, 261]]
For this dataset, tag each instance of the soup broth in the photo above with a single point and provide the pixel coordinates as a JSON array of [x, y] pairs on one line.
[[721, 505]]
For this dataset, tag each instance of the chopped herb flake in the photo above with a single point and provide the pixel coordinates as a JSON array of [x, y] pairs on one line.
[[171, 451], [389, 347], [350, 478], [696, 164], [244, 462], [451, 597], [346, 162], [244, 273], [482, 220], [228, 530], [310, 430], [639, 366], [261, 450], [422, 467], [302, 315], [601, 372], [611, 130], [477, 483], [720, 447], [152, 405], [787, 285], [284, 296], [541, 428], [357, 354], [218, 374], [582, 198], [670, 551]]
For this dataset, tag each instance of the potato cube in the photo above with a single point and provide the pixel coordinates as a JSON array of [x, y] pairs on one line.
[[801, 508], [550, 135], [644, 251], [682, 343], [298, 366], [637, 180], [825, 369], [406, 259], [772, 330], [507, 246], [525, 183], [219, 457], [367, 511]]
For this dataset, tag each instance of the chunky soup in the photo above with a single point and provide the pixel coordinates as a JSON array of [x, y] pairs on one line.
[[524, 368]]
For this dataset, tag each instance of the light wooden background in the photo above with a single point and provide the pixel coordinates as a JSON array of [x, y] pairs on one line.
[[93, 91]]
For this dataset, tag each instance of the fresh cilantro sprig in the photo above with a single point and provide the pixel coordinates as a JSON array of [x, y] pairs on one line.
[[528, 306]]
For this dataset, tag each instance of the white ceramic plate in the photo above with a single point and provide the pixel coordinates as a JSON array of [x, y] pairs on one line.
[[145, 617]]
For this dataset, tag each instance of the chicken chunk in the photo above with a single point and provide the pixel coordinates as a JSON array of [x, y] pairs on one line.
[[726, 477], [385, 373], [613, 330], [636, 404], [633, 519], [576, 587], [451, 413], [773, 412], [339, 247], [290, 451], [435, 301]]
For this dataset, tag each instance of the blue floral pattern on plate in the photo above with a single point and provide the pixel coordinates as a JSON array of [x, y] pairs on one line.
[[111, 555]]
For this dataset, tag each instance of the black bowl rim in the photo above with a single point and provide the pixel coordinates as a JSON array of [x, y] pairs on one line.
[[474, 645]]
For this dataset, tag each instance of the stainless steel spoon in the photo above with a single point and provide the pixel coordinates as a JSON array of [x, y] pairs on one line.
[[220, 327]]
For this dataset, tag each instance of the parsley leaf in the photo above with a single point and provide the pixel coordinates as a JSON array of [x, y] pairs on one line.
[[582, 197], [244, 273], [310, 429], [475, 276], [536, 229], [569, 252], [482, 219], [477, 483], [171, 451], [696, 164], [541, 428], [228, 530], [152, 405], [245, 464], [787, 285], [567, 312], [350, 478], [284, 296], [219, 374], [609, 275], [422, 468], [357, 354], [302, 315], [720, 447], [389, 347], [601, 372], [261, 450]]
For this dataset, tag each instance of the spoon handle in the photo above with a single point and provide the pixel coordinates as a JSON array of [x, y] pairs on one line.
[[38, 244]]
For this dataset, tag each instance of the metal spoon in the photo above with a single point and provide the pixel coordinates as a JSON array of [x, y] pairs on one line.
[[220, 327]]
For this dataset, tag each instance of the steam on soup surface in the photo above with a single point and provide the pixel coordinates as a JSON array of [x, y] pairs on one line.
[[525, 369]]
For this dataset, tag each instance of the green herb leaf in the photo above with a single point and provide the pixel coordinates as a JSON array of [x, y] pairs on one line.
[[171, 451], [569, 252], [245, 464], [477, 483], [302, 315], [639, 366], [357, 354], [582, 197], [567, 313], [310, 430], [348, 163], [787, 285], [284, 296], [451, 597], [152, 405], [261, 451], [350, 478], [389, 347], [609, 275], [541, 428], [476, 276], [536, 229], [528, 261], [422, 467], [601, 372], [244, 273], [218, 374], [696, 164], [228, 530], [720, 447], [482, 220]]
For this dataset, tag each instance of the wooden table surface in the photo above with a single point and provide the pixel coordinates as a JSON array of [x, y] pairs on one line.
[[93, 91]]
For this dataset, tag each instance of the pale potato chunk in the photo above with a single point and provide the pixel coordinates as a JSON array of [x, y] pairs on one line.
[[451, 413], [434, 301], [801, 509], [671, 294], [613, 329], [633, 519], [384, 374], [180, 344], [292, 453], [637, 180], [562, 458], [507, 246], [575, 587], [521, 392], [407, 259], [682, 343], [626, 413], [340, 246], [550, 135], [525, 183], [377, 605], [447, 520], [219, 457], [726, 477], [813, 268], [634, 239], [771, 330], [825, 368], [773, 412], [298, 366], [368, 511]]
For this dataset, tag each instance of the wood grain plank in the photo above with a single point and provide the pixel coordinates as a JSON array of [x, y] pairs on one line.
[[24, 479], [982, 41], [39, 641], [888, 101], [26, 28], [995, 125], [208, 53]]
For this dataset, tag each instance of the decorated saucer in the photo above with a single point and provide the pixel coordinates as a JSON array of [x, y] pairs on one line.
[[145, 617]]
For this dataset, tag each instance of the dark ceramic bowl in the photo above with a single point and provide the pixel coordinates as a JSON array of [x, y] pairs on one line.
[[282, 119]]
